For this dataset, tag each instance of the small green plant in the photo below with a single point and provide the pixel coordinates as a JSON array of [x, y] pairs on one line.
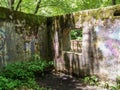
[[118, 80], [117, 86], [35, 57], [106, 85], [91, 80]]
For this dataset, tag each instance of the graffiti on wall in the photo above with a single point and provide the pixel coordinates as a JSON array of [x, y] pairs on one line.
[[109, 40], [2, 46], [26, 40], [2, 39], [31, 44]]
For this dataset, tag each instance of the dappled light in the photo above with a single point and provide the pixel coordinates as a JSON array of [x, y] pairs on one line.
[[59, 45]]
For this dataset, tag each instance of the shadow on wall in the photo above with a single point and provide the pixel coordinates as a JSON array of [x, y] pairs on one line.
[[74, 64], [95, 54]]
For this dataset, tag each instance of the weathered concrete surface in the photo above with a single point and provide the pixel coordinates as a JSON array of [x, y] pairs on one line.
[[59, 37], [22, 35], [101, 40], [100, 26]]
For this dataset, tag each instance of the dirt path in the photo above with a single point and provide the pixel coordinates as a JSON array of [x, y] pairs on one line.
[[64, 82]]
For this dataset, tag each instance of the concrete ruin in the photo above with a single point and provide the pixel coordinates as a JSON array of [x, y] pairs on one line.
[[23, 35]]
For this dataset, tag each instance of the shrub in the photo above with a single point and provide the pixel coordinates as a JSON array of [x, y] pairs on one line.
[[22, 74], [17, 71], [8, 84]]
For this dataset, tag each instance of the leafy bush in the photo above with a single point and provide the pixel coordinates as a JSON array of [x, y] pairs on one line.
[[17, 71], [7, 83], [22, 74], [91, 80]]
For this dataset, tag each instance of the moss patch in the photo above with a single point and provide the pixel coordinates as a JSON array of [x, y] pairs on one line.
[[14, 15], [103, 13]]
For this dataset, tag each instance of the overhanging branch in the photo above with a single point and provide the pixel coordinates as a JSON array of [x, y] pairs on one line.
[[37, 7], [18, 5]]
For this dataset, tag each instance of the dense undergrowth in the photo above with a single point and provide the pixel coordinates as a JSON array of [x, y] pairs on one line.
[[21, 75]]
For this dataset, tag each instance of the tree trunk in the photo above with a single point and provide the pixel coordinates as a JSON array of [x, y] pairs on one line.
[[113, 2], [37, 7], [18, 5]]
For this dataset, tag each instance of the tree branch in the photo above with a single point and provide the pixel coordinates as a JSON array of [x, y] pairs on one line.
[[37, 7], [18, 5]]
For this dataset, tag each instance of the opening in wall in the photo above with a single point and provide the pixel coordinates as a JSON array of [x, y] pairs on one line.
[[76, 40]]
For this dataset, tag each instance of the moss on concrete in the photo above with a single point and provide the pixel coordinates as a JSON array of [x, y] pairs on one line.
[[14, 15], [4, 13], [86, 15], [100, 13]]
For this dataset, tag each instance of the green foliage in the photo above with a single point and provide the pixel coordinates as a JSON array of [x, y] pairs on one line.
[[118, 79], [17, 70], [7, 83], [117, 86], [57, 7], [76, 34], [91, 80], [22, 74], [113, 87]]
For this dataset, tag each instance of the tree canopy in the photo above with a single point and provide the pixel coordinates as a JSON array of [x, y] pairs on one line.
[[54, 7]]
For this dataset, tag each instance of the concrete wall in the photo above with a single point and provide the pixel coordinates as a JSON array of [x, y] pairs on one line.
[[22, 37], [100, 43], [20, 42], [101, 40], [59, 38], [108, 47]]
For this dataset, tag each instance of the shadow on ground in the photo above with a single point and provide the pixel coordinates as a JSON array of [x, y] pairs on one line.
[[63, 82]]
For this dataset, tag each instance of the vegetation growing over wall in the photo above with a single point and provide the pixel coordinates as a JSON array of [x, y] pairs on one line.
[[7, 14]]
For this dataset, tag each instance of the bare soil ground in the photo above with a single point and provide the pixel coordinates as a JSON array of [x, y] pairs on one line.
[[60, 81]]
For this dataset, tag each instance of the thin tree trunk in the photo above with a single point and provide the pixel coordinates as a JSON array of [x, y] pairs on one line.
[[37, 7], [18, 5], [113, 2]]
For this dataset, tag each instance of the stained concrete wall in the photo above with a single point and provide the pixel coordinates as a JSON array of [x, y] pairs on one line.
[[100, 43], [22, 36], [100, 46], [59, 37], [108, 48]]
